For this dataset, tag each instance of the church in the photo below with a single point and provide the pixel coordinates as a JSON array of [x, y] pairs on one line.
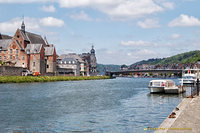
[[28, 50]]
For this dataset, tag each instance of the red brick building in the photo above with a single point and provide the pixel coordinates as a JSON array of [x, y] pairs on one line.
[[28, 50]]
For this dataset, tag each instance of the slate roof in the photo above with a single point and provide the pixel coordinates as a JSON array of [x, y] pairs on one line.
[[4, 43], [71, 55], [33, 38], [33, 48], [19, 44], [49, 51], [24, 36], [5, 36], [67, 60]]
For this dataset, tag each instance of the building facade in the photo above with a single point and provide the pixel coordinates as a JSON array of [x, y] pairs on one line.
[[28, 50], [91, 61]]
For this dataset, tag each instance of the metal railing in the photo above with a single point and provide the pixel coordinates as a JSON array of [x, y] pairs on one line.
[[193, 89]]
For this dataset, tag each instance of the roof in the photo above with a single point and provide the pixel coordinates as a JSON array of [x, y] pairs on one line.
[[4, 43], [33, 48], [67, 60], [18, 44], [33, 38], [162, 80], [5, 36], [71, 55], [24, 36], [49, 51]]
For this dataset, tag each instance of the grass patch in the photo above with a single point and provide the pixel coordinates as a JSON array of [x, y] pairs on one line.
[[29, 79]]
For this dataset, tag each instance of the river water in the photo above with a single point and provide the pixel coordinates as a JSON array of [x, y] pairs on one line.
[[121, 105]]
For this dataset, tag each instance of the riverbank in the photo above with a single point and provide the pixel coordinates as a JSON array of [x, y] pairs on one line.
[[186, 118], [29, 79]]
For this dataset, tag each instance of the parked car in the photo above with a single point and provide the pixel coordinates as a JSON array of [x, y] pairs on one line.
[[26, 73]]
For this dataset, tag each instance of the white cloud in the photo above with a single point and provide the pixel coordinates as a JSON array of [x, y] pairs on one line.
[[23, 1], [32, 24], [80, 16], [184, 20], [168, 5], [117, 9], [50, 8], [137, 43], [175, 36], [12, 25], [117, 56], [149, 23], [146, 52], [52, 22]]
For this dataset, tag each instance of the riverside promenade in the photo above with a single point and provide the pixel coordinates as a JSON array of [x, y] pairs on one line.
[[187, 118]]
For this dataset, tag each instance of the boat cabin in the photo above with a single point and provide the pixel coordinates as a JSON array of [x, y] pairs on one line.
[[161, 83]]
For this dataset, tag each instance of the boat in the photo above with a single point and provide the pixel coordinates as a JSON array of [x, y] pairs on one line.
[[189, 76], [163, 86]]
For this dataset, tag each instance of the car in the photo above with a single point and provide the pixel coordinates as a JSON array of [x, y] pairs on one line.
[[26, 73]]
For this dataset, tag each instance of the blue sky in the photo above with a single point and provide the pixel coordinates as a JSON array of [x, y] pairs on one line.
[[122, 31]]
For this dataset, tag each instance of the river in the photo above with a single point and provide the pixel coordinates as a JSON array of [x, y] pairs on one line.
[[121, 105]]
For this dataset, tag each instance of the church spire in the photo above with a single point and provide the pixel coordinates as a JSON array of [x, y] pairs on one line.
[[23, 26]]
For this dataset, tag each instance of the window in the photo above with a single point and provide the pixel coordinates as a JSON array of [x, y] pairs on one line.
[[47, 66], [16, 56], [0, 57], [4, 52], [4, 57], [11, 51], [17, 36], [11, 57], [23, 58], [16, 51], [33, 63]]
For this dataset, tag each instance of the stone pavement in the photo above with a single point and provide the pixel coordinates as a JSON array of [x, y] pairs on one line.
[[187, 118]]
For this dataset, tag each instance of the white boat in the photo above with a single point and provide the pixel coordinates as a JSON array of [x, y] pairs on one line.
[[189, 76], [162, 86]]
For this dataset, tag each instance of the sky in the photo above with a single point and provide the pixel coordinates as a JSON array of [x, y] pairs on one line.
[[122, 31]]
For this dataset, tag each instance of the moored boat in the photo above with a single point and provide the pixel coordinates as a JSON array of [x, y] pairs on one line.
[[163, 86], [189, 76]]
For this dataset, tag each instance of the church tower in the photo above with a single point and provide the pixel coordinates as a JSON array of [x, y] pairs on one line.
[[93, 61], [23, 26]]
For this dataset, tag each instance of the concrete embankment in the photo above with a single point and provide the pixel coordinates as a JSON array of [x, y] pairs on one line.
[[185, 118]]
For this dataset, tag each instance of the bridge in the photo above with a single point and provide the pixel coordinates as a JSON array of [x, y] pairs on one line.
[[177, 72]]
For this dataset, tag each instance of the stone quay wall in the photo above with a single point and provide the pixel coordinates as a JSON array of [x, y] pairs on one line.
[[10, 71]]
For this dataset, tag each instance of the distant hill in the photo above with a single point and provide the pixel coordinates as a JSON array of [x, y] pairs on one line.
[[101, 68], [188, 57], [149, 61]]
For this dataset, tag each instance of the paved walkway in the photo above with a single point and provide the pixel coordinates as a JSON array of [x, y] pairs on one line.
[[187, 118]]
